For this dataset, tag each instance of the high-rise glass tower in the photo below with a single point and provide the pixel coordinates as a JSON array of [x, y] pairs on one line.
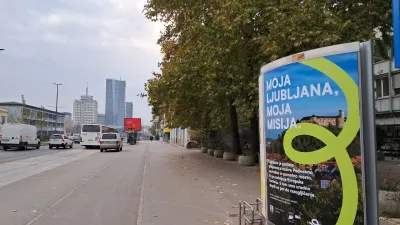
[[129, 110], [115, 102]]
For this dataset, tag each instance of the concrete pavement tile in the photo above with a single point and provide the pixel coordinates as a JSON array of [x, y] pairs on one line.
[[197, 186]]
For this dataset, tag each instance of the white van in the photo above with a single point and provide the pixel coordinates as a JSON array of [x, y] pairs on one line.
[[21, 136]]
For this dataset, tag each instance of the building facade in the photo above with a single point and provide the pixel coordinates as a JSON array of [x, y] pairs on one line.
[[387, 98], [46, 121], [129, 110], [115, 102], [101, 119], [337, 121], [68, 124], [179, 136], [85, 110], [3, 116]]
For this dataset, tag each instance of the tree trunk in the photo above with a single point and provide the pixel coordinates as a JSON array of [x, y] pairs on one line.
[[255, 135], [234, 127]]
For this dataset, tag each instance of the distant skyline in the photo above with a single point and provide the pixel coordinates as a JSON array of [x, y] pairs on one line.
[[115, 102], [101, 118], [129, 110], [76, 42], [85, 109]]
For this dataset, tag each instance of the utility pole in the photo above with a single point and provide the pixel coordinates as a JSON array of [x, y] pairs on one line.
[[55, 127]]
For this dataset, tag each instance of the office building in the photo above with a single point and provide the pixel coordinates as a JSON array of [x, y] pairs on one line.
[[387, 98], [68, 125], [46, 121], [101, 119], [85, 110], [129, 110], [115, 102]]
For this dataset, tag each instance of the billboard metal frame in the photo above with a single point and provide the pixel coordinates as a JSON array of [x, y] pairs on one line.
[[367, 116]]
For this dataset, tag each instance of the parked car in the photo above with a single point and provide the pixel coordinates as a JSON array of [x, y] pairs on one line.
[[21, 136], [111, 141], [60, 140]]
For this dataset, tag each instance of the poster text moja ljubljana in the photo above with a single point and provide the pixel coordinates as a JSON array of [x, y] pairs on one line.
[[276, 92]]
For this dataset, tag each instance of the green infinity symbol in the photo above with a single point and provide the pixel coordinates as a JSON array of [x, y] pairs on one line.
[[335, 146]]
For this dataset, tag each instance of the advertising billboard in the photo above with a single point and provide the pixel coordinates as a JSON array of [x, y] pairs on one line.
[[312, 151], [132, 124]]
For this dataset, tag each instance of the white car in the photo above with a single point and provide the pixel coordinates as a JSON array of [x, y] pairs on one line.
[[21, 136], [60, 140], [111, 141]]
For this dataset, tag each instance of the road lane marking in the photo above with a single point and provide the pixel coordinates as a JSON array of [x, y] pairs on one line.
[[71, 192], [140, 209], [17, 170]]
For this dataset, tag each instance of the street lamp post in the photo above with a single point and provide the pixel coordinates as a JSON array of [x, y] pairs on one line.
[[55, 128]]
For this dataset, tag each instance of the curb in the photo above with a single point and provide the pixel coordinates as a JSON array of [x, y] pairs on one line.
[[390, 220]]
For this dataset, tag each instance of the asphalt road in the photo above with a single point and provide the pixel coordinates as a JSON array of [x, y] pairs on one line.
[[77, 186], [14, 154], [145, 184]]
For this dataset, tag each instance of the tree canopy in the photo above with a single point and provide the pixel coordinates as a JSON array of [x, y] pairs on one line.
[[213, 50]]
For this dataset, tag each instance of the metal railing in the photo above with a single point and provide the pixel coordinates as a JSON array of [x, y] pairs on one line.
[[255, 216]]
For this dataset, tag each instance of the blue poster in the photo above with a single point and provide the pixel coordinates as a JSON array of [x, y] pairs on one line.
[[313, 153]]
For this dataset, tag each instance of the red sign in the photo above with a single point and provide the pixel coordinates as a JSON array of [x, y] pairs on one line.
[[132, 124]]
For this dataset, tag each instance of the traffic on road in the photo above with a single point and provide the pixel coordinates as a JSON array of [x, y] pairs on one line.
[[75, 185]]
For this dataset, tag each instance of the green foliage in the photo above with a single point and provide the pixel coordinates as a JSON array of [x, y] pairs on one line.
[[41, 122], [26, 113], [213, 50], [152, 130]]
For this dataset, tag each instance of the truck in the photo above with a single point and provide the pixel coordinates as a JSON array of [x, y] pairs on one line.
[[131, 127]]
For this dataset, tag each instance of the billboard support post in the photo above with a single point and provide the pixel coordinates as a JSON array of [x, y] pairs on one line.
[[368, 136]]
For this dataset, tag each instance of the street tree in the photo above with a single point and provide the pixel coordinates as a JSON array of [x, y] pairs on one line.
[[25, 113], [41, 122], [199, 67], [224, 43]]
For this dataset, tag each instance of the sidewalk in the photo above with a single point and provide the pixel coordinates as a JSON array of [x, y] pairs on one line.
[[389, 221], [199, 188]]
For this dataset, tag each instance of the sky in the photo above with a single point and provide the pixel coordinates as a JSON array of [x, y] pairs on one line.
[[76, 42], [300, 75]]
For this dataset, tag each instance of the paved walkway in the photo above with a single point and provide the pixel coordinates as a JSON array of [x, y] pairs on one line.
[[388, 221], [224, 183], [203, 189]]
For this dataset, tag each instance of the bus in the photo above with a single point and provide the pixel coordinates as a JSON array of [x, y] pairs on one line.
[[91, 133]]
